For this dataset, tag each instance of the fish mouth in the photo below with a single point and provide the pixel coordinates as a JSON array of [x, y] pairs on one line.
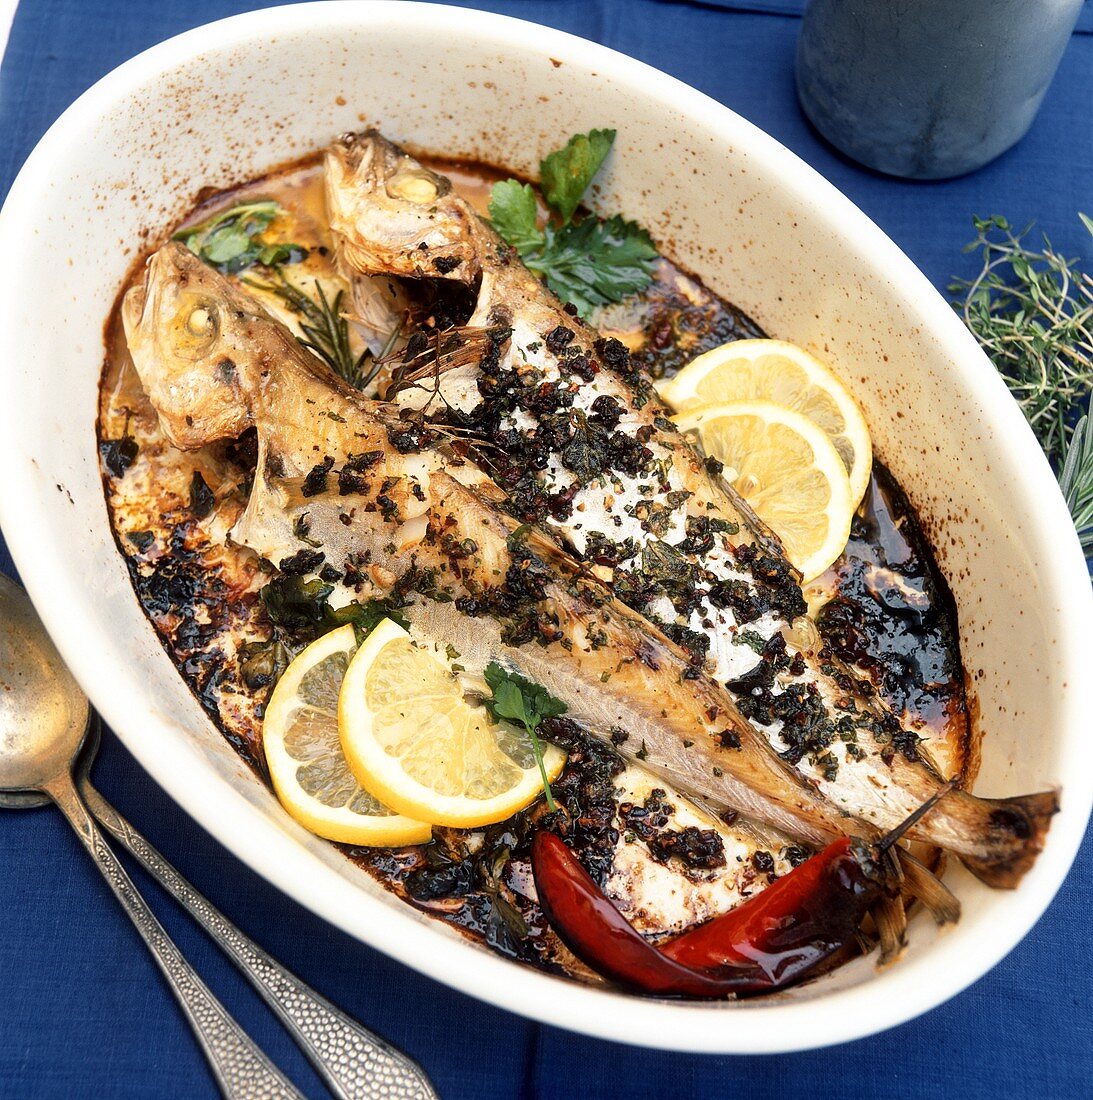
[[380, 164], [142, 307], [137, 307], [359, 148], [132, 310]]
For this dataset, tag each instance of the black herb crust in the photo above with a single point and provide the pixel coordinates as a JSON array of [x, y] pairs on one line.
[[698, 849]]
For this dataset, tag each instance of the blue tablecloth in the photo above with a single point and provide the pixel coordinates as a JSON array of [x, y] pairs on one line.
[[83, 1012]]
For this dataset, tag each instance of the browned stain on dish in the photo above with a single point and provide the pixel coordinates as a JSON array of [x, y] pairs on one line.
[[891, 612]]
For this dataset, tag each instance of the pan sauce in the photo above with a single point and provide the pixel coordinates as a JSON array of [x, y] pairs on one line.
[[884, 607]]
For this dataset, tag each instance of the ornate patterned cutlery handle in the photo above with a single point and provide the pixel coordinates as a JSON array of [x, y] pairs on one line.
[[242, 1071], [354, 1063]]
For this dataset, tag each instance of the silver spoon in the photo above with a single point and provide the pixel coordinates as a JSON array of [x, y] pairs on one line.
[[355, 1063], [43, 718]]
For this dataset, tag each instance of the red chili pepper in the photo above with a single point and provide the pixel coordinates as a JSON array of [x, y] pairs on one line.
[[803, 918], [596, 932], [797, 922], [780, 936]]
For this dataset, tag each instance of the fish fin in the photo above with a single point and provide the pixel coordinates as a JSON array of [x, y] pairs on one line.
[[920, 883], [890, 919], [1013, 838], [460, 346]]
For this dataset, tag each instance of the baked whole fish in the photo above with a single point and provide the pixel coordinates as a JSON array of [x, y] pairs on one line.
[[574, 439], [345, 488]]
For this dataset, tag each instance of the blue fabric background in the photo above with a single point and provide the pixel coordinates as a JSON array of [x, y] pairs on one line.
[[82, 1010]]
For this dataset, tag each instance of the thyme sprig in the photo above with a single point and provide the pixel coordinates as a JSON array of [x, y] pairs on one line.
[[1031, 309]]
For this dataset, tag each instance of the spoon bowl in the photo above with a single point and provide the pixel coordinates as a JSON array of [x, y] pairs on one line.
[[89, 750], [44, 724], [43, 712]]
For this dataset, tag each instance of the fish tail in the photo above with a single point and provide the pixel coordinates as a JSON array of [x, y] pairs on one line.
[[890, 919], [921, 884], [1010, 836]]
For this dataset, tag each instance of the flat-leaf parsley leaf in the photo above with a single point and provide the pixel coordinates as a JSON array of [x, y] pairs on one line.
[[589, 263], [514, 214], [594, 262], [230, 239], [566, 173], [520, 700]]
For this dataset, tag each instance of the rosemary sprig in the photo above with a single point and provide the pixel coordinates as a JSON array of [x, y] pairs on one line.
[[1032, 311], [1076, 481], [326, 331]]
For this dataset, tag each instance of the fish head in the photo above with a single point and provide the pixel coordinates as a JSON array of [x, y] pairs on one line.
[[190, 333], [390, 215]]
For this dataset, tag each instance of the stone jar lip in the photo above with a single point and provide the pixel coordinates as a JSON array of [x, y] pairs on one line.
[[930, 90]]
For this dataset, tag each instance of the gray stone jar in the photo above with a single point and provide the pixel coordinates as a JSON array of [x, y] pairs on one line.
[[928, 89]]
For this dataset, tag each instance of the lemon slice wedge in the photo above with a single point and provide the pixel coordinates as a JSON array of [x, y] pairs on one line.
[[787, 469], [304, 753], [415, 742], [778, 371]]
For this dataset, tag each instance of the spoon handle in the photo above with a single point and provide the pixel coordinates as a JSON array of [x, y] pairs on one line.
[[355, 1063], [242, 1071]]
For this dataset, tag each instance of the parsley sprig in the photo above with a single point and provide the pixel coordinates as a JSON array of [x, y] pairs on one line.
[[1031, 309], [231, 239], [590, 262], [517, 699]]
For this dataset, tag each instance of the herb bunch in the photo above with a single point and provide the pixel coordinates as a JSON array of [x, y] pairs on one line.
[[590, 262], [1031, 309], [233, 240]]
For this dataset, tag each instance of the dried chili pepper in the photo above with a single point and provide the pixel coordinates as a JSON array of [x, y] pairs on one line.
[[774, 939], [798, 921], [597, 933]]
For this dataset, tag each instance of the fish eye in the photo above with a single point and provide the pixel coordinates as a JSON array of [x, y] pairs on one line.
[[199, 321], [416, 185], [196, 327]]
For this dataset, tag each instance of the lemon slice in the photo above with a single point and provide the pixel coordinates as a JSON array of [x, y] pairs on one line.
[[413, 740], [304, 753], [787, 469], [775, 370]]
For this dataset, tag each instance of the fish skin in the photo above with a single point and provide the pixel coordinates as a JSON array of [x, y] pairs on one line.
[[998, 839], [611, 667]]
